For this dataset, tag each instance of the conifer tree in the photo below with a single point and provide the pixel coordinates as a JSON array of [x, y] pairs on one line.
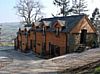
[[95, 16]]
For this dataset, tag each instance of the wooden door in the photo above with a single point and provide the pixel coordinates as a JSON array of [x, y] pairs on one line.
[[30, 44], [83, 36], [57, 51]]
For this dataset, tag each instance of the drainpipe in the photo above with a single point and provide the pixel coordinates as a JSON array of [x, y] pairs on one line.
[[15, 43], [45, 42], [67, 40], [98, 33], [21, 42], [66, 43], [26, 35], [26, 40], [43, 53], [98, 38], [35, 40]]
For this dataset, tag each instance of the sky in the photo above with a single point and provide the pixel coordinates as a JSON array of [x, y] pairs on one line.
[[8, 13]]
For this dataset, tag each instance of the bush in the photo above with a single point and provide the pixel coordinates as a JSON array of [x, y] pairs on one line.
[[97, 70]]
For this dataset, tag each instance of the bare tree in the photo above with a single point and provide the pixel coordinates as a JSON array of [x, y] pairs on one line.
[[28, 10], [79, 6]]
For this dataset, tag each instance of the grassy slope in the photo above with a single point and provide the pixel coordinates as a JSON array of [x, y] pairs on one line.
[[8, 32]]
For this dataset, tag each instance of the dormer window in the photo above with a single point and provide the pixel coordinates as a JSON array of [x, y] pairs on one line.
[[63, 27], [26, 34], [37, 27], [47, 27], [58, 25], [19, 30]]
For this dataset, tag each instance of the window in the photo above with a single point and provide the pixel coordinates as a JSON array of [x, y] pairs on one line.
[[57, 31], [63, 28], [44, 31], [29, 32], [47, 27], [26, 34], [20, 33], [37, 27], [23, 43], [38, 44], [44, 46], [34, 43]]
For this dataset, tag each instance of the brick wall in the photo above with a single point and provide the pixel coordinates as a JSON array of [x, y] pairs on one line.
[[30, 40], [19, 41], [60, 41], [24, 43], [39, 41]]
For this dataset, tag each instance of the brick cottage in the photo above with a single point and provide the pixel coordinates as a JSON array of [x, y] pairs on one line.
[[57, 36]]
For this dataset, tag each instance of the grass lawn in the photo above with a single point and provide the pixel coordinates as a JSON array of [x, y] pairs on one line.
[[6, 44]]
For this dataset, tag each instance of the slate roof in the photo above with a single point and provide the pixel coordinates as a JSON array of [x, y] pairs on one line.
[[69, 21]]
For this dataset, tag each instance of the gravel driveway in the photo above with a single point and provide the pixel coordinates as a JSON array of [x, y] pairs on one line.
[[21, 63]]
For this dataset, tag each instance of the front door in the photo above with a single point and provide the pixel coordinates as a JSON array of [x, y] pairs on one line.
[[52, 51], [30, 44], [83, 36], [57, 51], [18, 44]]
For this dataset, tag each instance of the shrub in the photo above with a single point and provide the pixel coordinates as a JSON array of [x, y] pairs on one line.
[[97, 70]]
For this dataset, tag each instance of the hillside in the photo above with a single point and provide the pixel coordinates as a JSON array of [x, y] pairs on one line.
[[8, 31]]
